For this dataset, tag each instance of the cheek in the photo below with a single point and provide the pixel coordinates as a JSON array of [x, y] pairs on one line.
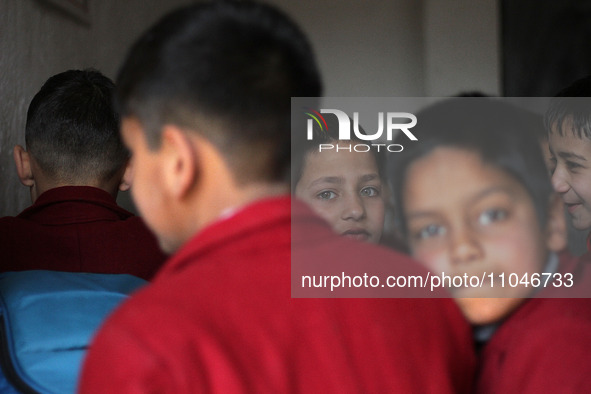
[[435, 260], [147, 197], [517, 251], [157, 215], [140, 189], [376, 211], [142, 198], [582, 187], [328, 211]]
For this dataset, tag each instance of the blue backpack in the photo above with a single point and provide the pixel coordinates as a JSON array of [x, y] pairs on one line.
[[47, 320]]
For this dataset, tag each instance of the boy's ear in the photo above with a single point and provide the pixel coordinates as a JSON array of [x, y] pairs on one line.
[[22, 159], [556, 232], [127, 177], [180, 161]]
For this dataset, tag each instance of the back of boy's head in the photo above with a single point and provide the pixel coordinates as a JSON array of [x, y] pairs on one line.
[[72, 129], [503, 136], [228, 63], [572, 103]]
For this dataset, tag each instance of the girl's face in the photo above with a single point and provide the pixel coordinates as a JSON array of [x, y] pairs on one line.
[[345, 189], [465, 216]]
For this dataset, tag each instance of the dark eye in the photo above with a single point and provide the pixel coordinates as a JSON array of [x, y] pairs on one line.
[[571, 165], [370, 191], [430, 231], [326, 195], [492, 215]]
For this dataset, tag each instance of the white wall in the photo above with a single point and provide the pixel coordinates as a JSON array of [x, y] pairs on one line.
[[403, 48], [364, 48], [36, 41], [461, 46]]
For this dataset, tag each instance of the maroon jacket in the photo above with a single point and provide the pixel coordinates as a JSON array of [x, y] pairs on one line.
[[219, 318], [545, 345], [78, 229]]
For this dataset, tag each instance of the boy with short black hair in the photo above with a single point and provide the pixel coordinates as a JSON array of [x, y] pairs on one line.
[[568, 122], [205, 97], [474, 199], [74, 165]]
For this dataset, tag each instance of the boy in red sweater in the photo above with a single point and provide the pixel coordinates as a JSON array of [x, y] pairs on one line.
[[74, 164], [205, 97], [475, 198]]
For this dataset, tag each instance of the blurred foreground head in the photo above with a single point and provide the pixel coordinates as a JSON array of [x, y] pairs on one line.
[[227, 71], [205, 98], [473, 197]]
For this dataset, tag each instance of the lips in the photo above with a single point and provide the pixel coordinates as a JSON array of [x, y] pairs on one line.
[[572, 207], [356, 233]]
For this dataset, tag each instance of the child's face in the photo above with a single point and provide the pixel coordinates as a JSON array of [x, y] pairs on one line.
[[345, 189], [464, 216], [571, 173], [148, 180]]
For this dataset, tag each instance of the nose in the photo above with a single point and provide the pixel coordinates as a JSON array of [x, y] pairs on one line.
[[353, 208], [465, 247], [560, 180]]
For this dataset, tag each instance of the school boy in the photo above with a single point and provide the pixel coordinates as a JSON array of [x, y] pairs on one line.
[[568, 122], [474, 197], [74, 164], [205, 97]]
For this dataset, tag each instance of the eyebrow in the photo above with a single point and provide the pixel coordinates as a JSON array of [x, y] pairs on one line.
[[339, 180], [369, 177], [327, 179], [479, 196], [570, 155]]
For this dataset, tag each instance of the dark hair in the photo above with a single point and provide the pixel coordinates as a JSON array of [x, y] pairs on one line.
[[573, 101], [502, 135], [235, 64], [72, 129], [302, 147]]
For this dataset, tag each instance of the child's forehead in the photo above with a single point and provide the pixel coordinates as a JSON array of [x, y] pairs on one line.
[[338, 159], [570, 141], [568, 127], [345, 166], [462, 170]]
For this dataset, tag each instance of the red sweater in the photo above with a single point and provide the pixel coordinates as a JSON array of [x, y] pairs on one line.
[[78, 229], [545, 345], [219, 318]]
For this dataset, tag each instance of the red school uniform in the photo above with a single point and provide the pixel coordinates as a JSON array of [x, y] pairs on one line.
[[219, 318], [78, 229], [545, 345]]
